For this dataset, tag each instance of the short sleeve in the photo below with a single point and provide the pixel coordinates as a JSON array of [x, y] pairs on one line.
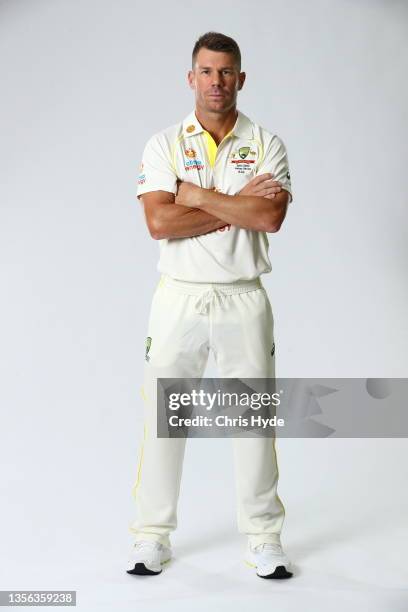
[[156, 170], [275, 160]]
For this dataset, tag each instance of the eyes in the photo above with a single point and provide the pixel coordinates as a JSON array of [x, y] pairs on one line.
[[225, 72]]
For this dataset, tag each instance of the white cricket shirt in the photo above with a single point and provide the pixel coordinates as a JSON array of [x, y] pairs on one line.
[[187, 152]]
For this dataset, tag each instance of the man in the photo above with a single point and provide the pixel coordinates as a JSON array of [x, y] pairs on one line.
[[209, 197]]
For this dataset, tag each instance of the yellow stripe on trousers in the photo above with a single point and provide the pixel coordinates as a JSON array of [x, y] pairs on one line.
[[139, 467]]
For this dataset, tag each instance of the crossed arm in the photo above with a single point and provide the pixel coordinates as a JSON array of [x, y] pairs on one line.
[[260, 206]]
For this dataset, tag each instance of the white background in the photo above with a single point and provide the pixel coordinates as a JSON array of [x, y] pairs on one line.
[[84, 83]]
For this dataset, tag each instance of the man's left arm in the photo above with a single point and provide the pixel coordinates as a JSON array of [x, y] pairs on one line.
[[247, 211]]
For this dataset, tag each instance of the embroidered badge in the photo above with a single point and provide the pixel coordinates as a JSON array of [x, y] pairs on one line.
[[242, 160], [243, 152]]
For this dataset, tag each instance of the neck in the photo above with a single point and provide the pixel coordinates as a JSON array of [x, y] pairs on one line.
[[217, 124]]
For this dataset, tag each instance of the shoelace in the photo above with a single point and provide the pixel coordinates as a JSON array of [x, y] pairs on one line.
[[206, 298]]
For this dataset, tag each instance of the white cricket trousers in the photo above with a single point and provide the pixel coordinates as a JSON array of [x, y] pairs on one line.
[[187, 319]]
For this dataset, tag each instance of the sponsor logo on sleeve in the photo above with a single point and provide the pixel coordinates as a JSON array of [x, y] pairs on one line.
[[142, 176]]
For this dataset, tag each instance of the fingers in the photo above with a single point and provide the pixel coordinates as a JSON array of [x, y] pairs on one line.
[[270, 190], [260, 179], [263, 185], [265, 190]]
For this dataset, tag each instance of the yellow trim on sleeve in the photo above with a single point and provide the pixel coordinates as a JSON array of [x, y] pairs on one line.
[[261, 153], [173, 152]]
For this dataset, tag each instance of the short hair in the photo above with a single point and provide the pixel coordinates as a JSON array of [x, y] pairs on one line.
[[215, 41]]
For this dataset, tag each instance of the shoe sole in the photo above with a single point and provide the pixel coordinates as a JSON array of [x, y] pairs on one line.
[[280, 572], [141, 570]]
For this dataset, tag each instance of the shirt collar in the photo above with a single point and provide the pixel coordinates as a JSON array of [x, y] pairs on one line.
[[243, 126], [241, 129], [191, 125]]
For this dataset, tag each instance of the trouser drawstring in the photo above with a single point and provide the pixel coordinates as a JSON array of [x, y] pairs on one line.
[[206, 298]]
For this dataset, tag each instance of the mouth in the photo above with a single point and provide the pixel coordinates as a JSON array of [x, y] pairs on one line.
[[212, 95]]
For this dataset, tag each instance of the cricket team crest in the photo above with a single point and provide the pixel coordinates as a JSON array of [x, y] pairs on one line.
[[243, 152]]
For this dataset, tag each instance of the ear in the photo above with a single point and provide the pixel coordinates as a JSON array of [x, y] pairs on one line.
[[242, 77], [191, 79]]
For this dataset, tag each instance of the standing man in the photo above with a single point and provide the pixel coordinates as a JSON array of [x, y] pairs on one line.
[[209, 196]]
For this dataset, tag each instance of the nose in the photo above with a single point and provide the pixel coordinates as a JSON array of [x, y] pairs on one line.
[[217, 78]]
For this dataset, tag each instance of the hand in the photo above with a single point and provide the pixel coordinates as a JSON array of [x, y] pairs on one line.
[[263, 186], [188, 194]]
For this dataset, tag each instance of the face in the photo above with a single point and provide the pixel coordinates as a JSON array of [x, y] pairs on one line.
[[215, 80]]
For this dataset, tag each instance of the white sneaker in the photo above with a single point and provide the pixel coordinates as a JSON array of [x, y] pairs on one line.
[[147, 557], [269, 560]]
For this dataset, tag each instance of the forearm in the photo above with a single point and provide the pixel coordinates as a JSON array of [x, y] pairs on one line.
[[174, 221], [248, 212]]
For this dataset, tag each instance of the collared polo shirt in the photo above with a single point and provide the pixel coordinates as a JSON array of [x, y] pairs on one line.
[[187, 152]]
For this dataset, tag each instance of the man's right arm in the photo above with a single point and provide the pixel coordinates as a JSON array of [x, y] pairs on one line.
[[165, 219], [157, 187]]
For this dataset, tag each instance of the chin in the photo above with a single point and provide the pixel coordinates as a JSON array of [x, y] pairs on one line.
[[220, 105]]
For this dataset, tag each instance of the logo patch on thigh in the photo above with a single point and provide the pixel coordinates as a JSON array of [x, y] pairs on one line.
[[148, 345]]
